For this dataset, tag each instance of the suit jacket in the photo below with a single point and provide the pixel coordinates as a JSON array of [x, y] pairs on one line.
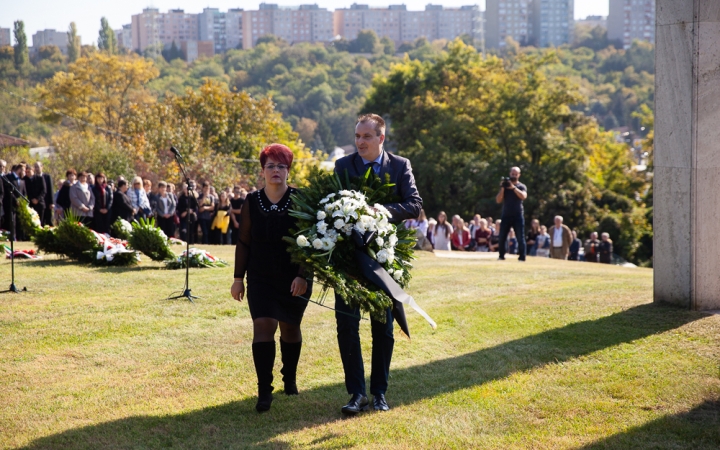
[[400, 174], [159, 208], [48, 189], [122, 207], [566, 238], [8, 194], [36, 189]]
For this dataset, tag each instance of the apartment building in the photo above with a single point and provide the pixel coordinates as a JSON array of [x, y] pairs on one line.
[[629, 20], [50, 37], [224, 29], [305, 23], [152, 27], [552, 22], [593, 21], [507, 18], [5, 37], [401, 25], [124, 37]]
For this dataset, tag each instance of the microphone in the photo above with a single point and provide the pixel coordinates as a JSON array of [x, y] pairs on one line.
[[175, 152]]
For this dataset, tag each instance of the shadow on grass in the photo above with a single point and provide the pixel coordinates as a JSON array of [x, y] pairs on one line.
[[237, 425], [697, 429]]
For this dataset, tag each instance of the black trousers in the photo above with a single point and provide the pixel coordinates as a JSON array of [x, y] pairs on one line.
[[167, 225], [518, 224], [383, 342]]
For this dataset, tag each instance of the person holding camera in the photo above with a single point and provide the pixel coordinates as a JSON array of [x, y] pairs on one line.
[[511, 195]]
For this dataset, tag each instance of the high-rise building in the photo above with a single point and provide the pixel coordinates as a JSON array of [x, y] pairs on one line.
[[507, 19], [629, 20], [552, 22], [50, 37], [5, 37], [224, 29], [401, 25], [124, 37], [152, 27], [306, 23], [593, 21]]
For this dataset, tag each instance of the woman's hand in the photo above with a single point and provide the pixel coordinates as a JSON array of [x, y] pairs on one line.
[[298, 286], [237, 290]]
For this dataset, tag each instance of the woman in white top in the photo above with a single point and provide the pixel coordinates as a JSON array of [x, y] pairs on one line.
[[443, 233], [543, 243]]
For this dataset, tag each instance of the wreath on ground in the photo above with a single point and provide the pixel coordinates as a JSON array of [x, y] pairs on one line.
[[147, 238]]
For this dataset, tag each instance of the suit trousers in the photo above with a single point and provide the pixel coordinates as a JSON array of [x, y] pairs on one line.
[[383, 342]]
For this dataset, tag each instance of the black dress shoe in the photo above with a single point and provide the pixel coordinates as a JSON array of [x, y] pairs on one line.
[[379, 403], [357, 404]]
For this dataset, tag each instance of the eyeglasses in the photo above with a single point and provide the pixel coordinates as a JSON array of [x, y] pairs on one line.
[[272, 167]]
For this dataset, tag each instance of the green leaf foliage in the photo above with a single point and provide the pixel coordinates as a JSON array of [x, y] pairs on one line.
[[149, 239]]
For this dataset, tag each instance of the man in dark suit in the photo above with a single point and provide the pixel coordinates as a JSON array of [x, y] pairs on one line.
[[369, 138], [10, 203], [35, 185], [46, 216]]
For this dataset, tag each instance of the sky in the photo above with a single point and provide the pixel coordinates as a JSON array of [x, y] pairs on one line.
[[55, 14]]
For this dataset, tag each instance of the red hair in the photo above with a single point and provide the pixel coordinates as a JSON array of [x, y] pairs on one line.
[[278, 152]]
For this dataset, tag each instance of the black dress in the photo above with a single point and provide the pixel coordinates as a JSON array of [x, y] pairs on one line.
[[261, 252]]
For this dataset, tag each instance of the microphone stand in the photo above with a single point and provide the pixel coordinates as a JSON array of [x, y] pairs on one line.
[[186, 292], [15, 195]]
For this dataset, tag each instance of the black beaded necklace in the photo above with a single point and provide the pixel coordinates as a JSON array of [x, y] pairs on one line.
[[274, 207]]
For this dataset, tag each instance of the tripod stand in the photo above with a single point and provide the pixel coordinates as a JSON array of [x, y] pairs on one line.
[[185, 293], [15, 195]]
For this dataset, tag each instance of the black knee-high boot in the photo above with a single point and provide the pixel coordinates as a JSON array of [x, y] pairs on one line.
[[264, 358], [290, 354]]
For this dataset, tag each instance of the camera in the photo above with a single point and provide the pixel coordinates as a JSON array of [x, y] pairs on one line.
[[505, 182]]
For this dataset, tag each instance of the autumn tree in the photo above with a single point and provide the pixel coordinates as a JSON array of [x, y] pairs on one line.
[[99, 89], [73, 43]]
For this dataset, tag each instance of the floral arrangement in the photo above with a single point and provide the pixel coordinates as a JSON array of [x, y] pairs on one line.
[[121, 229], [4, 236], [149, 239], [23, 254], [28, 218], [328, 212], [176, 241], [198, 258], [113, 252]]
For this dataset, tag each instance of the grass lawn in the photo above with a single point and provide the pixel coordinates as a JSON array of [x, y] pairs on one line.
[[545, 355]]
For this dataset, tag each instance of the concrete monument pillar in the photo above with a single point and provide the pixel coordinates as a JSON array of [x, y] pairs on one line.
[[687, 154]]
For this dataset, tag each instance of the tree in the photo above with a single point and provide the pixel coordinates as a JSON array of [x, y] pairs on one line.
[[20, 48], [366, 42], [173, 53], [99, 89], [73, 45], [106, 39], [388, 45]]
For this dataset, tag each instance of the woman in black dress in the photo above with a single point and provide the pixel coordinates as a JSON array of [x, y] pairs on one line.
[[274, 283]]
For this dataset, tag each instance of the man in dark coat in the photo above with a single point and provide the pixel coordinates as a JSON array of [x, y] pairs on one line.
[[10, 203], [121, 204], [46, 216], [369, 138], [35, 186]]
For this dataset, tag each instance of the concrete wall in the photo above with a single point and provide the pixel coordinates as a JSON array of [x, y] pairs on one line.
[[687, 154]]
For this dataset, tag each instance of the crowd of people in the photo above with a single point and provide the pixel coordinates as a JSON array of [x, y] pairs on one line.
[[483, 235], [208, 216]]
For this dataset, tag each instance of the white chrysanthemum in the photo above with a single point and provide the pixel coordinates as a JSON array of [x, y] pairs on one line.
[[347, 229], [390, 271], [345, 193], [321, 215], [332, 234], [329, 208], [382, 256], [302, 241], [325, 200], [380, 242], [327, 244], [393, 240], [398, 274], [322, 227], [317, 243], [339, 223]]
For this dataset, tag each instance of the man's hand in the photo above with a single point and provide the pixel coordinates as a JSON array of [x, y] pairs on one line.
[[103, 211], [34, 201]]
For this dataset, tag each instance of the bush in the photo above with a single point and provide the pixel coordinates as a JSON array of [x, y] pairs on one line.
[[149, 239]]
